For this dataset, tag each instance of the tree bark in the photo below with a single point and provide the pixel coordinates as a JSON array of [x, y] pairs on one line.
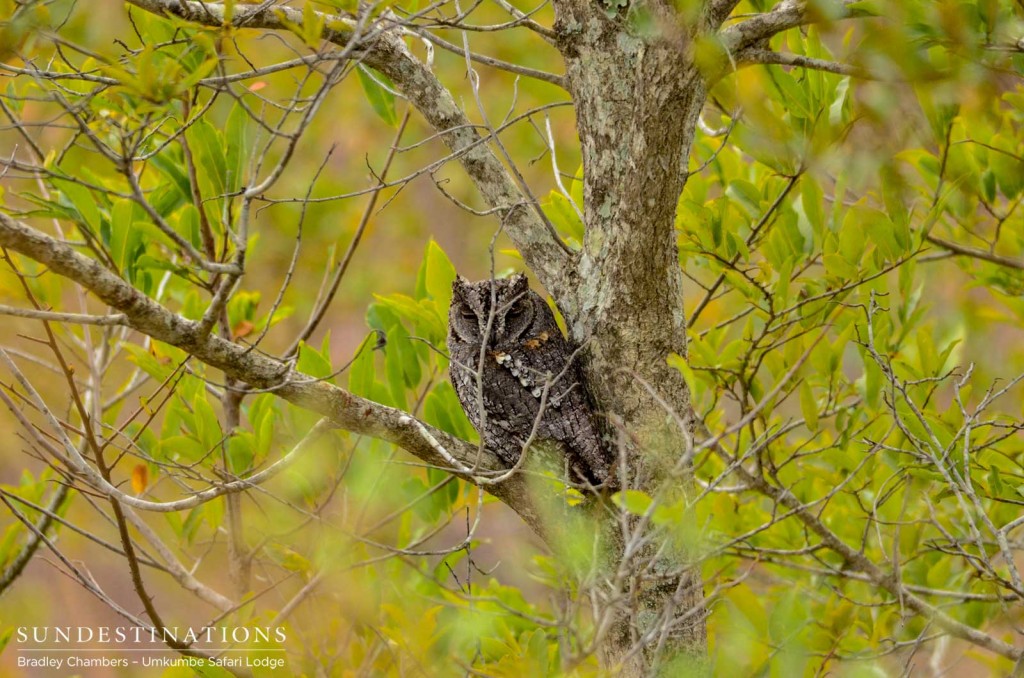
[[638, 97]]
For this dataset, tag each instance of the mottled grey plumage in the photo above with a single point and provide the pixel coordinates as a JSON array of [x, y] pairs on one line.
[[524, 350]]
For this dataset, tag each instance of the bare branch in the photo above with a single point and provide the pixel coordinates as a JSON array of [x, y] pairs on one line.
[[767, 56], [974, 252], [495, 63], [342, 408], [386, 51], [34, 541], [75, 318]]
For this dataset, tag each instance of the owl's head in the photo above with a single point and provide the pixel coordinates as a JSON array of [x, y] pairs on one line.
[[515, 309]]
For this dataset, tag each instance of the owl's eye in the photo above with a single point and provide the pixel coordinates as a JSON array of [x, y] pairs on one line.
[[517, 311], [467, 314]]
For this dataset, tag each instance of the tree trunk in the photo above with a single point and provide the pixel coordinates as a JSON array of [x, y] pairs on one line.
[[637, 97]]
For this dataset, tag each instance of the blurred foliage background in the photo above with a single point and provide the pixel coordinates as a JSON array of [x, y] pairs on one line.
[[822, 207]]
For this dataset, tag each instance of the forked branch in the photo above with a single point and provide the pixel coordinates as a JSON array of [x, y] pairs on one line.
[[343, 409], [382, 47]]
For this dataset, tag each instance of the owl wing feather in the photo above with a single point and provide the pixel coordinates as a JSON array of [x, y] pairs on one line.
[[504, 407], [544, 360]]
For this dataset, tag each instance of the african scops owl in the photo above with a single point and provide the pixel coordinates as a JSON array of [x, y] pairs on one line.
[[522, 351]]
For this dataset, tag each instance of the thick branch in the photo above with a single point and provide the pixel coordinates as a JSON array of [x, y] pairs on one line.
[[638, 97], [718, 11], [342, 408], [637, 100], [786, 15], [383, 48]]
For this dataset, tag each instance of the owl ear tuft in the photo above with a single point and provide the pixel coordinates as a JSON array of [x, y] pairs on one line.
[[460, 284], [519, 283]]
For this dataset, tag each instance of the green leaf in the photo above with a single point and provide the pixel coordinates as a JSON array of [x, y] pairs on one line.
[[82, 200], [180, 447], [187, 225], [564, 216], [193, 522], [125, 236], [424, 314], [851, 236], [242, 307], [730, 353], [809, 406], [313, 362], [781, 295], [634, 501], [811, 199], [400, 345], [172, 168], [1007, 168], [5, 638], [747, 195], [201, 71], [872, 382], [790, 92], [262, 413], [837, 110], [147, 362], [537, 647], [289, 559], [207, 144], [678, 362], [235, 153], [442, 409], [378, 90], [241, 452], [207, 424], [995, 483], [394, 369], [439, 275], [836, 265], [312, 25], [361, 372]]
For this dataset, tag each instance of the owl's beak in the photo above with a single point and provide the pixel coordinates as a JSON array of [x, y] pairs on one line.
[[497, 330]]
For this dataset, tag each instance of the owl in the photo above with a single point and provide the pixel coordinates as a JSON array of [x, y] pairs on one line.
[[522, 350]]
